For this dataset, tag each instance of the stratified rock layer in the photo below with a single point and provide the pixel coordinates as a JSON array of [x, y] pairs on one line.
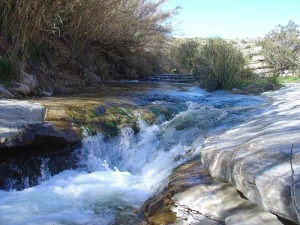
[[255, 156], [245, 176], [219, 203], [193, 197], [22, 124]]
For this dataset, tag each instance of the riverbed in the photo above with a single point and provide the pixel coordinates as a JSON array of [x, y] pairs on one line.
[[113, 177]]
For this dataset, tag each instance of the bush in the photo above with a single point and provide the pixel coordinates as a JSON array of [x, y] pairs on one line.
[[8, 71], [219, 65], [186, 54], [281, 48], [37, 52], [257, 85]]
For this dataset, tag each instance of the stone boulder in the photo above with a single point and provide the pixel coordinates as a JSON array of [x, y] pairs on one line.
[[255, 156], [29, 80], [4, 93], [46, 94], [19, 88], [22, 124], [192, 196], [219, 203]]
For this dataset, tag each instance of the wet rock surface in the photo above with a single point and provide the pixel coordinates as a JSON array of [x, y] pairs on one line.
[[219, 203], [28, 143], [157, 210], [194, 197], [248, 167]]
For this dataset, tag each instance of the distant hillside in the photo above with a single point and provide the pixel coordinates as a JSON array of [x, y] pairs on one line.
[[251, 49]]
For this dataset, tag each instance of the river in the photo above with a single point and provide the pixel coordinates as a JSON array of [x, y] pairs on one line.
[[113, 177]]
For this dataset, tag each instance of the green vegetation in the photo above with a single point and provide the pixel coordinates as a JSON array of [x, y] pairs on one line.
[[219, 65], [69, 44], [180, 55], [291, 79], [281, 48], [257, 85], [109, 123], [8, 71], [186, 54]]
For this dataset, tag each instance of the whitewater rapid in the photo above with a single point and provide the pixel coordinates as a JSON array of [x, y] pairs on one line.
[[113, 177]]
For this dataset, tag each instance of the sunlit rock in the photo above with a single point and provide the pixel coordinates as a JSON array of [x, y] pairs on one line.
[[22, 123], [255, 156]]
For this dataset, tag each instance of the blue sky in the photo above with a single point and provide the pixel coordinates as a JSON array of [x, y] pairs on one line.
[[232, 18]]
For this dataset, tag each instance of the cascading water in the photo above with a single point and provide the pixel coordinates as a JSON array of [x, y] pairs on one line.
[[115, 176]]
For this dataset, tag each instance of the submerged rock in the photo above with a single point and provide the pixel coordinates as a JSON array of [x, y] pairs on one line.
[[99, 110]]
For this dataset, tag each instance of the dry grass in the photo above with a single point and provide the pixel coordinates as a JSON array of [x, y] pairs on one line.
[[115, 30]]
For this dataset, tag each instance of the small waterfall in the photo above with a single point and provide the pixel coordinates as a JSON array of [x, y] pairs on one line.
[[45, 170], [111, 178]]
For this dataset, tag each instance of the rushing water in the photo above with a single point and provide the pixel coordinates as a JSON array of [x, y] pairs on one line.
[[113, 177]]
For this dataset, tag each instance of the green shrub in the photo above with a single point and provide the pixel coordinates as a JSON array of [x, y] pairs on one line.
[[281, 48], [8, 70], [258, 85], [37, 52], [290, 79], [219, 65], [186, 54]]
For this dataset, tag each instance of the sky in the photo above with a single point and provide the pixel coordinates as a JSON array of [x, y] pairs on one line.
[[231, 19]]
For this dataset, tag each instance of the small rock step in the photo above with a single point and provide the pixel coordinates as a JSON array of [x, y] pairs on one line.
[[173, 78], [219, 203]]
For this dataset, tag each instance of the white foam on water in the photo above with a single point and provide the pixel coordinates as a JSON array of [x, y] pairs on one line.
[[114, 175]]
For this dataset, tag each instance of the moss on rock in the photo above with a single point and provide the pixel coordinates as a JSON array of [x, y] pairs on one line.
[[109, 122]]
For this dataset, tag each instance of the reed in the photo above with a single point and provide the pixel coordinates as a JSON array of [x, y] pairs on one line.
[[90, 27]]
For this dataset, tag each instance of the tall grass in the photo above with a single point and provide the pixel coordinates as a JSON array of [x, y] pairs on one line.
[[23, 22], [127, 29]]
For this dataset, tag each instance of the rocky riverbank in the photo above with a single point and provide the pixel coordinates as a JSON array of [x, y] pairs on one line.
[[242, 177], [23, 125], [252, 159]]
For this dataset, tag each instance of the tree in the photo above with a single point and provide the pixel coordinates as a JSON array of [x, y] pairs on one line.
[[186, 54], [219, 65], [281, 48]]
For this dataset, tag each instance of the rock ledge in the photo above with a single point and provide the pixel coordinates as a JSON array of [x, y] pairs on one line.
[[22, 124]]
